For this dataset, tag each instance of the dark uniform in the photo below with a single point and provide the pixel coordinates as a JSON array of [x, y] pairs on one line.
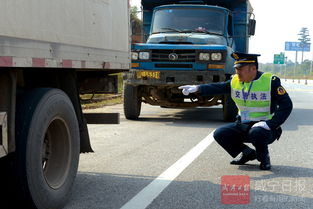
[[233, 136]]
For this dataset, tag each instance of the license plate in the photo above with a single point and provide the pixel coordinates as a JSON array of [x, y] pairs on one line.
[[148, 74]]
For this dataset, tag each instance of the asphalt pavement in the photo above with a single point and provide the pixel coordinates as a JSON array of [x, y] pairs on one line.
[[168, 159]]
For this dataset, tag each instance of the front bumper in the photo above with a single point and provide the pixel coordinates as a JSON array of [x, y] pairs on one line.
[[172, 77]]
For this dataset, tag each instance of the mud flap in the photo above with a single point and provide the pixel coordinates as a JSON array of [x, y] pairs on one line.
[[3, 134]]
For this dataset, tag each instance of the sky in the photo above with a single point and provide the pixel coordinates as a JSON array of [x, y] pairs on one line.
[[277, 21]]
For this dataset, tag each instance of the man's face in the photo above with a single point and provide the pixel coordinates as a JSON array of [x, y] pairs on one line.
[[246, 73]]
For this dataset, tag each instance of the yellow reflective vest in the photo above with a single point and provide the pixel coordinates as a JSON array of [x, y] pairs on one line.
[[253, 99]]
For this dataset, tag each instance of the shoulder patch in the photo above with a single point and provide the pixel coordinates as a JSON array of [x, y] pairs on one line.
[[281, 90], [235, 56]]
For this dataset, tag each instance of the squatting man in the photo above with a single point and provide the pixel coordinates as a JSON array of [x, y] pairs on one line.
[[263, 106]]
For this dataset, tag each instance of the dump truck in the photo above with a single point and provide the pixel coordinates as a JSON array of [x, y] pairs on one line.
[[51, 52], [186, 43]]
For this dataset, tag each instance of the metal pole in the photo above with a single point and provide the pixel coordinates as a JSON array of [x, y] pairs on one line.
[[311, 64], [285, 68], [306, 76], [300, 69], [305, 71], [294, 70], [306, 81]]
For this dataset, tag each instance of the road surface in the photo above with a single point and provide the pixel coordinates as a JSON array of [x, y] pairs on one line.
[[168, 159]]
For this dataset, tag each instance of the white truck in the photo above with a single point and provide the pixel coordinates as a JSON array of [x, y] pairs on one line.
[[51, 51]]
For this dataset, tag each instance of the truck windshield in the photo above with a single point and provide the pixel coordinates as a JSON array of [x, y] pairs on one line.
[[201, 20]]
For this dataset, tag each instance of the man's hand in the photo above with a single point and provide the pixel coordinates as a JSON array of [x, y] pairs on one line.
[[261, 124], [187, 89]]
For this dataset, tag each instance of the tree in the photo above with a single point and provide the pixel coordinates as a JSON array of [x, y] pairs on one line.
[[136, 25], [304, 39], [134, 12]]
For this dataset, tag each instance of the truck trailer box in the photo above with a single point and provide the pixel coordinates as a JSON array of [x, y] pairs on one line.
[[70, 33]]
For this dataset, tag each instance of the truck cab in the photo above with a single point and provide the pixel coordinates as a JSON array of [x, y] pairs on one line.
[[188, 42], [205, 33]]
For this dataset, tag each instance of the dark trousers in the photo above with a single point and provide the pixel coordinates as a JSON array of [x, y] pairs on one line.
[[233, 136]]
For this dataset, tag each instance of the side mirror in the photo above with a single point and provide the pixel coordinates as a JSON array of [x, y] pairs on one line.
[[251, 27]]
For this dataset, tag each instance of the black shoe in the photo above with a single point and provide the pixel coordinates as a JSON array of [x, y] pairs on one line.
[[244, 158], [266, 164]]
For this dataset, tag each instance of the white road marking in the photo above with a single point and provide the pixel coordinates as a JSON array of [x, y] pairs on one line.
[[153, 190]]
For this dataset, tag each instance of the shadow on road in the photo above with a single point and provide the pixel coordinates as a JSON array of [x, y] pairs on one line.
[[187, 115], [198, 116], [104, 191], [278, 171]]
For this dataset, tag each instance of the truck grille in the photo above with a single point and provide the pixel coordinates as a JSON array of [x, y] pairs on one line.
[[182, 55], [173, 65]]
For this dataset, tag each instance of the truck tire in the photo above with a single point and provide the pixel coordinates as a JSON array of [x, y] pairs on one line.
[[47, 148], [230, 109], [132, 102]]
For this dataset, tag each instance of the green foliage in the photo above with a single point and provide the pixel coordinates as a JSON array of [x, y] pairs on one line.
[[304, 36], [133, 12], [134, 15], [135, 22], [304, 39], [290, 70]]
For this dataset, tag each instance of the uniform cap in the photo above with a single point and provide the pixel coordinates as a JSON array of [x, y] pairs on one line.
[[242, 59]]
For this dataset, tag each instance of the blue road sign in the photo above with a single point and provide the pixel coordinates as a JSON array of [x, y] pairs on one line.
[[295, 46]]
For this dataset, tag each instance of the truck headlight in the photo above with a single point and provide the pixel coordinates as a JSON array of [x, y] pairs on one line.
[[216, 56], [204, 56], [134, 55], [144, 55]]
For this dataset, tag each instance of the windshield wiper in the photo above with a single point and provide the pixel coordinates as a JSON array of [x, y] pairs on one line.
[[187, 31], [200, 31], [170, 29]]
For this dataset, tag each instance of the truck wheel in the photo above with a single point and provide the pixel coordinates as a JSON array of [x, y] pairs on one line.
[[230, 109], [132, 102], [47, 148]]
